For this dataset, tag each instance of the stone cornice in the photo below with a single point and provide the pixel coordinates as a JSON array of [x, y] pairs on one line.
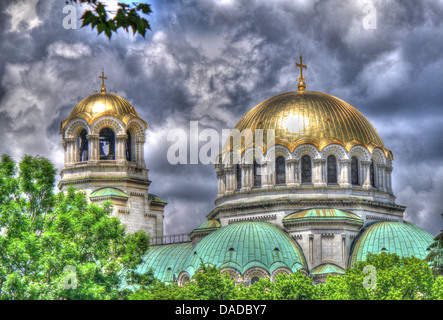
[[302, 203]]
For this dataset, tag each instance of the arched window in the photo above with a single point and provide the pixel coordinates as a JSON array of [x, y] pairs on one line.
[[238, 173], [306, 169], [83, 146], [332, 169], [372, 173], [257, 174], [354, 171], [280, 170], [107, 144], [129, 148], [254, 280]]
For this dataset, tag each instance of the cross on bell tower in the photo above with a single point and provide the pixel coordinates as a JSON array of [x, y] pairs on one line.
[[301, 80]]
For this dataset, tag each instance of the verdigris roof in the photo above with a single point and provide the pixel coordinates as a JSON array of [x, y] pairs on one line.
[[403, 239], [327, 268], [153, 197], [244, 245], [322, 213], [210, 224], [165, 260], [108, 192]]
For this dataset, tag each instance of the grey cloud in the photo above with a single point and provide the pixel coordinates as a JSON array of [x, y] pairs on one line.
[[212, 63]]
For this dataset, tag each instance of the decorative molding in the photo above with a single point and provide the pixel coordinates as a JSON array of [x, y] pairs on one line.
[[269, 217]]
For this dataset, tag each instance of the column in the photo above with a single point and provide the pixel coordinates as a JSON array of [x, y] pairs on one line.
[[365, 167], [245, 179], [93, 148], [221, 183], [230, 179], [388, 171], [318, 173], [292, 172], [120, 150], [70, 151], [141, 152], [345, 173]]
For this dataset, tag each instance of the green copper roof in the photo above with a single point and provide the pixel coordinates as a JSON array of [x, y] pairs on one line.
[[106, 192], [327, 268], [153, 197], [322, 213], [404, 239], [165, 260], [244, 245], [210, 224]]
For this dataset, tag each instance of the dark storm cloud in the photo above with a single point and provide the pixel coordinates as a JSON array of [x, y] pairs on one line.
[[212, 61]]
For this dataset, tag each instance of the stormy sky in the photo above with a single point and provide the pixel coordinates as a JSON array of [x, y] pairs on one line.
[[211, 61]]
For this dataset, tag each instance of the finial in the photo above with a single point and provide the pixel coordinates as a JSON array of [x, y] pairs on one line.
[[301, 80], [103, 90]]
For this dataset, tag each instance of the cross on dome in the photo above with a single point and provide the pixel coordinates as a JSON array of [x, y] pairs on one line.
[[103, 90]]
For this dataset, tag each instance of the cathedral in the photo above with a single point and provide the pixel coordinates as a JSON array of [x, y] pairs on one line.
[[317, 198]]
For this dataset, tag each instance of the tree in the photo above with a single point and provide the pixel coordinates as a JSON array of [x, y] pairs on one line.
[[60, 246], [127, 16], [208, 283], [435, 257], [397, 278], [296, 286]]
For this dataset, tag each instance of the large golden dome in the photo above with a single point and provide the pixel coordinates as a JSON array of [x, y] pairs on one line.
[[301, 117], [102, 104]]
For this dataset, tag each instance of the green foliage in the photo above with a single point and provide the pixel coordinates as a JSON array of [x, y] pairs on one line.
[[285, 287], [206, 284], [396, 279], [435, 256], [127, 16], [51, 242]]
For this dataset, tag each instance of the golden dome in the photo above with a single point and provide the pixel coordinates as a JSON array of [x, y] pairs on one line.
[[102, 104], [301, 117]]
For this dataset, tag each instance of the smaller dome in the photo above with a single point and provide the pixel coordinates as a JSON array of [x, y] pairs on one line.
[[403, 239], [245, 245], [108, 193], [323, 214], [165, 260], [327, 268], [102, 104]]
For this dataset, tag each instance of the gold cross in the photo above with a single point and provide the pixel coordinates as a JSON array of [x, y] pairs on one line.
[[103, 81], [301, 65]]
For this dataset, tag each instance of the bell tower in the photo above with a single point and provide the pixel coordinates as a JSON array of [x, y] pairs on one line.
[[103, 140]]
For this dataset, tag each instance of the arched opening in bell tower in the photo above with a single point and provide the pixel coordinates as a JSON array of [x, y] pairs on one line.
[[107, 144], [83, 146]]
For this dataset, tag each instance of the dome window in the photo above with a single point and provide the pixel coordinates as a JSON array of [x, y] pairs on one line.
[[231, 249], [306, 169], [257, 174], [354, 172], [238, 173], [332, 169], [280, 170]]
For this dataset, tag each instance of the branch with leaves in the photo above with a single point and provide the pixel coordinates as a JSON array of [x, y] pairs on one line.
[[126, 16]]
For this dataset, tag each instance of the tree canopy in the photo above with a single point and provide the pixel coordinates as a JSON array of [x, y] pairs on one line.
[[60, 246], [396, 278]]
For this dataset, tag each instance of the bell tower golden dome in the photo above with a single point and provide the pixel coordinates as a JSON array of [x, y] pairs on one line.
[[104, 138]]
